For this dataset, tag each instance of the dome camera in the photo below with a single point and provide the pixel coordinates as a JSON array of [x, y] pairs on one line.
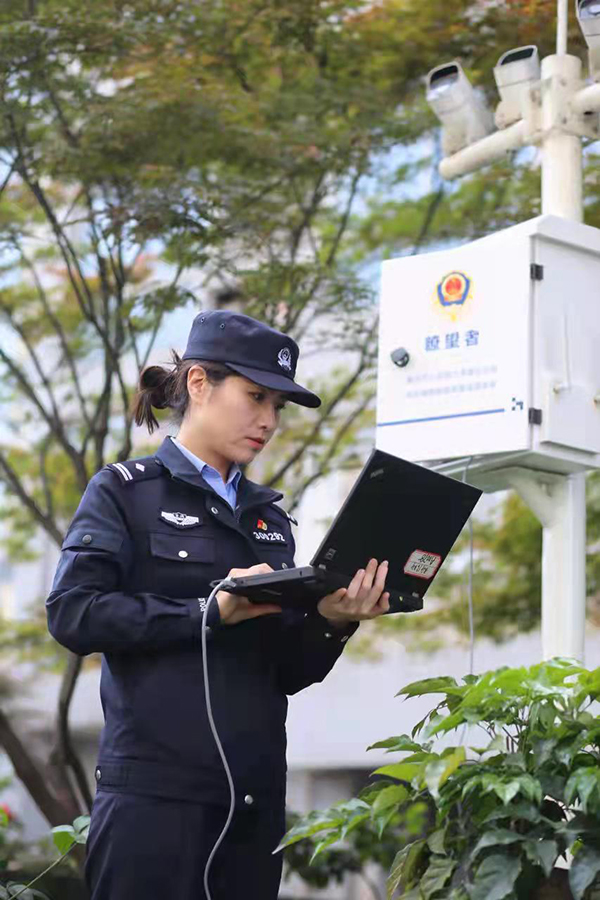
[[400, 357], [588, 16], [516, 73], [461, 110]]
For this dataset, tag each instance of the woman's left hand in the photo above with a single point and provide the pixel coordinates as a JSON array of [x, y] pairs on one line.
[[364, 597]]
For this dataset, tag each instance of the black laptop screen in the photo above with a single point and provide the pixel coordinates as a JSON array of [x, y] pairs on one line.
[[402, 512]]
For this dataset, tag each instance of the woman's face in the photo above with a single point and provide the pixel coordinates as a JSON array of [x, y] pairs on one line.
[[236, 418]]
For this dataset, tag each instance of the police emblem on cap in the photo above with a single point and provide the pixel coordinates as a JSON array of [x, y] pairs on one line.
[[181, 520], [284, 359]]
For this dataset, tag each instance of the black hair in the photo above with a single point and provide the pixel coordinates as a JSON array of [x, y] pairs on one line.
[[160, 388]]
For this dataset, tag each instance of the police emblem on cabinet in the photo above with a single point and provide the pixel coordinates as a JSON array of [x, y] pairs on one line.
[[179, 519], [267, 536]]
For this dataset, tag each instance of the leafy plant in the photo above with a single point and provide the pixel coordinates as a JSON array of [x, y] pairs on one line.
[[65, 837], [489, 822]]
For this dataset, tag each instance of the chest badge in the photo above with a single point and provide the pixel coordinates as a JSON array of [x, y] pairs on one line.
[[179, 519], [262, 533]]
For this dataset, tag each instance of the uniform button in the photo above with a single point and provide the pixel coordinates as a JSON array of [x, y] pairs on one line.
[[327, 634], [86, 539], [98, 774], [214, 510], [183, 554], [345, 638], [249, 799], [284, 565]]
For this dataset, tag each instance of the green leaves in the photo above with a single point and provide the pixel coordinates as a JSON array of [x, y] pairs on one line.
[[403, 771], [390, 796], [340, 819], [585, 868], [542, 853], [495, 877], [405, 867], [438, 771], [584, 785], [494, 838], [436, 875], [13, 889], [402, 742], [491, 823], [65, 836], [442, 685]]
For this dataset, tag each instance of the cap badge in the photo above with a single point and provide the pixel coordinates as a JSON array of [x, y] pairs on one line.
[[284, 359]]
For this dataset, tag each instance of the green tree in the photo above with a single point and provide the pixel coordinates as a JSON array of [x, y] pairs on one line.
[[153, 152], [507, 568]]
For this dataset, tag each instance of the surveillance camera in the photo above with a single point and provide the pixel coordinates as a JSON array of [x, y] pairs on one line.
[[461, 110], [400, 357], [588, 16], [516, 73]]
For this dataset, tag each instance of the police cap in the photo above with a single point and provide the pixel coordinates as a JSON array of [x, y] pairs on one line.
[[261, 353]]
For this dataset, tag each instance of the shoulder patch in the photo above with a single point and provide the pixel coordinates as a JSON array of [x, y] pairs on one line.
[[286, 513], [136, 469]]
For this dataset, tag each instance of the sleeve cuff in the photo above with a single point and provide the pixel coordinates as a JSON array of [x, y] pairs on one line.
[[213, 616], [331, 632]]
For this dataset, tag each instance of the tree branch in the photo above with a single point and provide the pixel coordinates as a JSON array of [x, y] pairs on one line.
[[308, 213], [36, 364], [62, 754], [9, 175], [55, 321], [345, 217], [322, 468], [55, 425], [428, 220], [12, 479], [70, 259], [30, 773], [325, 413]]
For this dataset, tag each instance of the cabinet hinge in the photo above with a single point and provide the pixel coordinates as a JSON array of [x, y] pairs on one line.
[[535, 416], [536, 272]]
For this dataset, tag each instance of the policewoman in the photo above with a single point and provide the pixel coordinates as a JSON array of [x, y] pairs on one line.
[[148, 537]]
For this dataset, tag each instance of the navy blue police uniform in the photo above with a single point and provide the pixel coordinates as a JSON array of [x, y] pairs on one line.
[[134, 574]]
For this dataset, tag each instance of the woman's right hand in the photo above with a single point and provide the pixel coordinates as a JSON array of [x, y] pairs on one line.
[[233, 608]]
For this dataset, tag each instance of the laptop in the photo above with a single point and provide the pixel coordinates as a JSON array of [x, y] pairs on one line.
[[396, 510]]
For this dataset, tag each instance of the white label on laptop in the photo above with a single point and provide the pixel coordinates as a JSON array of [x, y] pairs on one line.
[[423, 564]]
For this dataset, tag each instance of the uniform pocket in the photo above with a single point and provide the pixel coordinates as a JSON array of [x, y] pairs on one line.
[[182, 548]]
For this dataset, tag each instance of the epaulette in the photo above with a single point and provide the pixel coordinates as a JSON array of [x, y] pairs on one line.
[[136, 469], [286, 513]]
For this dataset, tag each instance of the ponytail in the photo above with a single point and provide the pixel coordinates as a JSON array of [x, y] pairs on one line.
[[160, 388]]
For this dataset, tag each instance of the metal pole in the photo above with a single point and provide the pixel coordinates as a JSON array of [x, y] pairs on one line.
[[562, 155], [564, 515], [562, 28], [559, 503], [563, 571]]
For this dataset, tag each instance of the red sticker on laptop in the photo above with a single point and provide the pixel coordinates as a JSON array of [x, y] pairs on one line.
[[422, 564]]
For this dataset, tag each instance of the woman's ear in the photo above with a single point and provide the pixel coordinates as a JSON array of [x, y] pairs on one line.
[[196, 382]]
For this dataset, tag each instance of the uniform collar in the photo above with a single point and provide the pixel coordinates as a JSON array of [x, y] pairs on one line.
[[249, 493], [234, 470]]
